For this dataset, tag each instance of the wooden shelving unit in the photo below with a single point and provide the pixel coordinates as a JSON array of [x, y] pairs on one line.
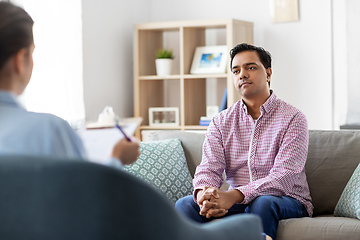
[[182, 89]]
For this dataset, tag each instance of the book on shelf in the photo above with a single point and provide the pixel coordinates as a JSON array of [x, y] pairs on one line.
[[223, 105], [204, 121]]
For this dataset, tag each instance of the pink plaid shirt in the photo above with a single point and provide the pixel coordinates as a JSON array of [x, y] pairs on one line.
[[260, 157]]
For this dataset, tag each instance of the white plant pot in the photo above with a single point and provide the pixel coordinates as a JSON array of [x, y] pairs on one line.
[[164, 66]]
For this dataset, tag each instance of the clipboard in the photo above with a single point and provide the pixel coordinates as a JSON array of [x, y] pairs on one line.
[[99, 139], [129, 125]]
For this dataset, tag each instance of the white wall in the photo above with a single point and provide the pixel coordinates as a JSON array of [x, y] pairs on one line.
[[353, 61], [340, 59], [108, 54], [302, 51]]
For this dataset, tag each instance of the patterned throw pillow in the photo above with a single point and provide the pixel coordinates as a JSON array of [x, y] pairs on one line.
[[163, 165], [349, 202]]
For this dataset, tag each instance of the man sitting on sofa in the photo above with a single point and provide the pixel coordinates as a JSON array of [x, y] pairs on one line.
[[261, 143]]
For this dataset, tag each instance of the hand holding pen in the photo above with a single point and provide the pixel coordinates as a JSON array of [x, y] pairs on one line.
[[122, 131], [126, 150]]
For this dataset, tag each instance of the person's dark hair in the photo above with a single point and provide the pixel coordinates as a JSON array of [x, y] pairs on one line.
[[15, 31], [265, 56]]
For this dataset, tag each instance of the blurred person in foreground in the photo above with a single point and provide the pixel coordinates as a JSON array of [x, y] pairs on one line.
[[29, 133]]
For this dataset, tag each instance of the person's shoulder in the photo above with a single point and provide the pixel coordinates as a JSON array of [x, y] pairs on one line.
[[44, 117], [288, 109], [226, 118], [229, 112], [47, 119]]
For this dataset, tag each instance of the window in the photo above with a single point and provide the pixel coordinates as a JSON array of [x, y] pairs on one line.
[[56, 85]]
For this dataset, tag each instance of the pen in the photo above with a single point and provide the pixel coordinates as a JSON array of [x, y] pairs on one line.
[[123, 132]]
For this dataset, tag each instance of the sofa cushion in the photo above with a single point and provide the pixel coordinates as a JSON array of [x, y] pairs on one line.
[[332, 158], [191, 142], [163, 165], [323, 227], [349, 202]]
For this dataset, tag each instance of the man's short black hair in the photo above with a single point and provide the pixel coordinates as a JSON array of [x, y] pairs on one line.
[[264, 55]]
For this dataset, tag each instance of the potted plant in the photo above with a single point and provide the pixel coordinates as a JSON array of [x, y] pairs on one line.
[[164, 62]]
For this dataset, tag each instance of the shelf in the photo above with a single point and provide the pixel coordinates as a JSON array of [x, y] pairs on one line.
[[185, 76], [195, 127], [174, 25], [155, 77], [186, 127], [213, 75], [160, 128], [191, 93]]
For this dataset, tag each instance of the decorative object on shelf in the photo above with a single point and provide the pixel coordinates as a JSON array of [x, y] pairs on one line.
[[284, 10], [211, 111], [107, 119], [164, 62], [164, 116], [107, 116], [223, 104], [210, 59]]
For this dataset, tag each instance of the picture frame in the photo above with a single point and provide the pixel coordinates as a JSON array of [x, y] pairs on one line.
[[210, 59], [284, 11], [163, 116]]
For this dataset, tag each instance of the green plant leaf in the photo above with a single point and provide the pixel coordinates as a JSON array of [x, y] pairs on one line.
[[164, 53]]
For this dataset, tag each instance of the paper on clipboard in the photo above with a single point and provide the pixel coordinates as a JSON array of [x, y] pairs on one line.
[[129, 125], [99, 139]]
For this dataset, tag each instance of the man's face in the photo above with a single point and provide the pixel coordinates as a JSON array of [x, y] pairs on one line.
[[250, 76]]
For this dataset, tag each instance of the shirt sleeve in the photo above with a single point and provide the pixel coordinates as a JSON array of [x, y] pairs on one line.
[[69, 143], [209, 172], [113, 162], [288, 165]]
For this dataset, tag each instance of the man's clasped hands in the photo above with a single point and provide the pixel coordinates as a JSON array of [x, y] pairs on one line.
[[216, 203]]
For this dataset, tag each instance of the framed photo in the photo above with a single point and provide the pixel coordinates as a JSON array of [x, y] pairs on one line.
[[284, 10], [164, 116], [210, 59]]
